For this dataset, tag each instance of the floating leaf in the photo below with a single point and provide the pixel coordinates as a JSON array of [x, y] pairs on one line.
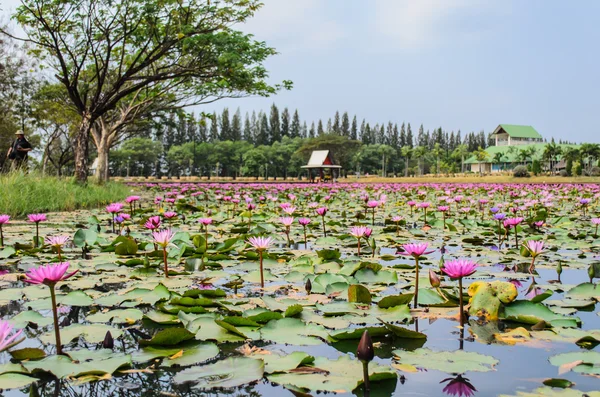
[[453, 362], [228, 373]]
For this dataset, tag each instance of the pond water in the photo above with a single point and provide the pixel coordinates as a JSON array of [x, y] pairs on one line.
[[228, 324]]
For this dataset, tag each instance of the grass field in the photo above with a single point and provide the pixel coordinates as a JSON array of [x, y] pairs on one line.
[[25, 194]]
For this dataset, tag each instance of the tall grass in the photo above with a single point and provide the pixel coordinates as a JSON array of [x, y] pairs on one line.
[[22, 194]]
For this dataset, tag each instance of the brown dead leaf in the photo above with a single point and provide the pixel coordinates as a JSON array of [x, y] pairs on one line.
[[248, 350], [309, 370]]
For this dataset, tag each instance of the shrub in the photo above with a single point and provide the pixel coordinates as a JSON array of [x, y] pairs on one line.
[[577, 169], [569, 167], [563, 173], [520, 171], [595, 171], [536, 167]]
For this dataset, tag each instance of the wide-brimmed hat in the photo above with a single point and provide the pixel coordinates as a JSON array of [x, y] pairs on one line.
[[19, 132]]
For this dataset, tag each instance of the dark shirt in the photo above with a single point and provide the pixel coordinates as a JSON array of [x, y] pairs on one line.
[[20, 143]]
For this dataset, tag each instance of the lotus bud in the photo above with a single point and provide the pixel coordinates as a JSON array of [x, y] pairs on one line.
[[559, 269], [365, 351], [308, 286], [108, 342], [434, 279], [591, 273]]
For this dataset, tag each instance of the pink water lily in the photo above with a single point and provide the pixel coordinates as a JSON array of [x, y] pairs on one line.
[[322, 211], [534, 248], [415, 250], [152, 223], [113, 208], [57, 242], [457, 269], [50, 275], [37, 218], [169, 214], [261, 244], [287, 222], [163, 239], [3, 221], [205, 221], [6, 339], [304, 222], [359, 232]]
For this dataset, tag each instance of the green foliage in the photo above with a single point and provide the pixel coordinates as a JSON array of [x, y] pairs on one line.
[[536, 167], [520, 171], [25, 194]]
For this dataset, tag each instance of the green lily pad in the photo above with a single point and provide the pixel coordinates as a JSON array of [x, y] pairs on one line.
[[228, 373], [453, 362], [341, 376], [168, 337], [359, 294], [294, 331], [15, 381], [92, 333], [532, 313]]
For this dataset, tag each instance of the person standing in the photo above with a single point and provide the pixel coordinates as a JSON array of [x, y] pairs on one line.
[[19, 151]]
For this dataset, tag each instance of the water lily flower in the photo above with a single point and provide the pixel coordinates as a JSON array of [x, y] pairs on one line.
[[6, 340], [261, 244], [114, 208], [289, 210], [304, 222], [163, 239], [415, 250], [322, 211], [169, 214], [287, 222], [4, 219], [358, 232], [595, 222], [513, 222], [37, 218], [50, 275], [57, 242], [152, 223], [459, 386], [534, 248], [397, 219], [457, 269]]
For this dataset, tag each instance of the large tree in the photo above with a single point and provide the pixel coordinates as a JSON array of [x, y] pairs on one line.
[[104, 51]]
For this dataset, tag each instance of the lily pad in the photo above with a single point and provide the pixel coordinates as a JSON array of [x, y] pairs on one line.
[[228, 373], [452, 362]]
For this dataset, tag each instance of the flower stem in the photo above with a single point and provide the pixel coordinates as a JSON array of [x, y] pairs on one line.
[[305, 240], [55, 314], [367, 384], [460, 300], [416, 282], [262, 279], [165, 261], [324, 231], [358, 245], [37, 234], [59, 255], [2, 237]]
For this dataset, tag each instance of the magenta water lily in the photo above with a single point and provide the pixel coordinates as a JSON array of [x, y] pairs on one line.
[[416, 250], [261, 244], [51, 275], [458, 269]]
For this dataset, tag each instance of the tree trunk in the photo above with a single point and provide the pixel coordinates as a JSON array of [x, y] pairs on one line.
[[406, 169], [81, 149], [102, 166]]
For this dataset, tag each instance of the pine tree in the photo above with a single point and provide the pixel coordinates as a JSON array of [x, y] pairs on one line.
[[395, 139], [402, 142], [320, 130], [354, 129], [329, 127], [247, 134], [236, 126], [410, 140], [366, 136], [285, 122], [254, 128], [181, 129], [304, 130], [214, 128], [345, 127], [312, 133], [274, 125], [295, 127], [421, 141], [192, 129], [169, 136], [363, 130], [336, 124], [225, 125], [263, 131]]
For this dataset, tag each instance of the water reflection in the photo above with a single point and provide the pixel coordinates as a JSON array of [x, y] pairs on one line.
[[458, 386]]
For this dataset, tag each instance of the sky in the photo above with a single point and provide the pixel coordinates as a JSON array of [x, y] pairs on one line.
[[464, 65]]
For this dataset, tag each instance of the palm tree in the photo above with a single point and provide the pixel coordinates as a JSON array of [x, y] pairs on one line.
[[437, 152], [461, 151], [406, 152], [523, 155], [497, 159], [481, 155], [385, 151], [419, 153]]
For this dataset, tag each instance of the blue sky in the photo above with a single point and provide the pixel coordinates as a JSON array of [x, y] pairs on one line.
[[458, 64]]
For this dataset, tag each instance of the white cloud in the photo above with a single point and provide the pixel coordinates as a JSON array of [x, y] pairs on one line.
[[411, 24], [295, 24]]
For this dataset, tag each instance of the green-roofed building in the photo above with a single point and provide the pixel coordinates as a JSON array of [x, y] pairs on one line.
[[515, 144], [510, 135]]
